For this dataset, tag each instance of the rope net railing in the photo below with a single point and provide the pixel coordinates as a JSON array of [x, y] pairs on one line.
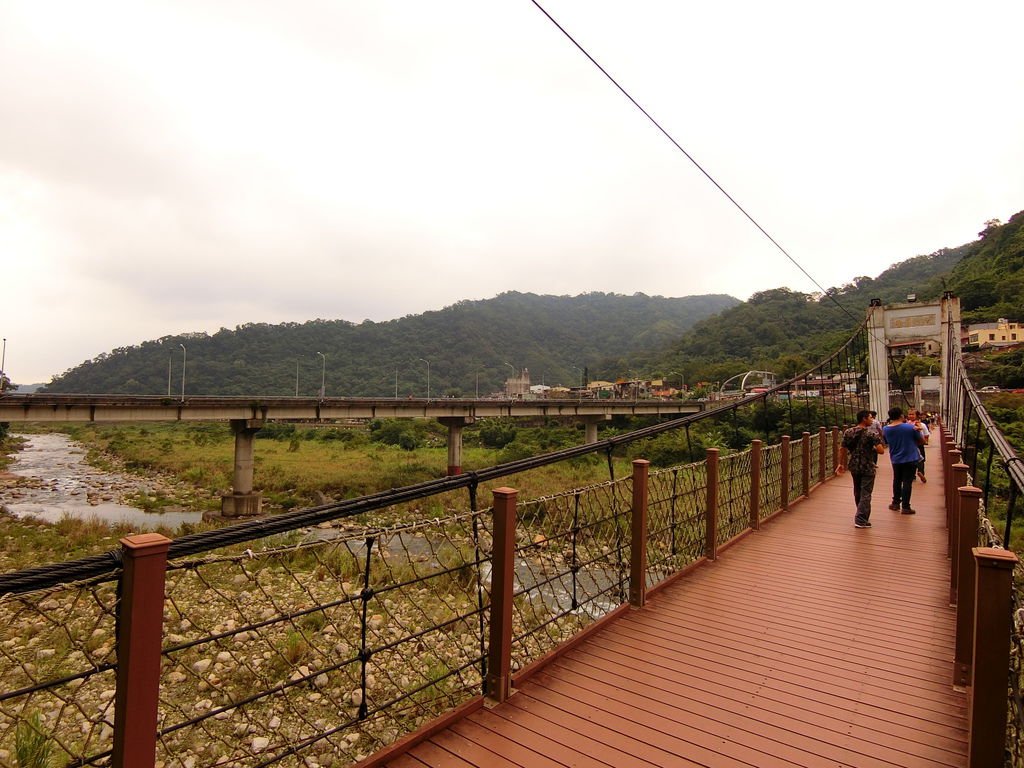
[[734, 486], [290, 642], [795, 483], [771, 480], [300, 653], [58, 665], [572, 565], [676, 510], [994, 467]]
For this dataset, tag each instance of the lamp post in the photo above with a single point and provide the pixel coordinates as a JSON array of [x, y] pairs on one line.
[[323, 374], [184, 357], [396, 382], [677, 373], [296, 377], [169, 356], [478, 385], [424, 360]]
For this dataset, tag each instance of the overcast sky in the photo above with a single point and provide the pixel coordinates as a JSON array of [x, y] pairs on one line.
[[185, 166]]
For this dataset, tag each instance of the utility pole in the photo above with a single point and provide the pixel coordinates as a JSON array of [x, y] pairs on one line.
[[184, 355]]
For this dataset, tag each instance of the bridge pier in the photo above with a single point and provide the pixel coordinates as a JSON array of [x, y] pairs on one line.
[[243, 501], [590, 427], [455, 426]]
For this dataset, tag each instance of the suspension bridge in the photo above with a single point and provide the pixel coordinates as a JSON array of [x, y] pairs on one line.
[[721, 612]]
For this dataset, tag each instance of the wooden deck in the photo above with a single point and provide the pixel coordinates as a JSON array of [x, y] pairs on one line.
[[809, 643]]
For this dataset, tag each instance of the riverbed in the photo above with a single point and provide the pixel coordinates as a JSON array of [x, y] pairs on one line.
[[57, 482]]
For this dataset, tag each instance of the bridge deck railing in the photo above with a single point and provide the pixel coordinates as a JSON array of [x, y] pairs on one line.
[[985, 484]]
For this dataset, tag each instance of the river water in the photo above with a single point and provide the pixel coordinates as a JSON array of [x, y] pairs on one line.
[[60, 483]]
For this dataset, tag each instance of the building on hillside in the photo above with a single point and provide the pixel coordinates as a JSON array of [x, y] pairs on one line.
[[920, 347], [1001, 333], [518, 386]]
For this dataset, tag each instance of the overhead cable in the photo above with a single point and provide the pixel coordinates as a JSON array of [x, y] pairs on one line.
[[690, 157]]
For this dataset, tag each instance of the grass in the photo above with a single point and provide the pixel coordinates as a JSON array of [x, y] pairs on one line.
[[201, 455], [33, 747]]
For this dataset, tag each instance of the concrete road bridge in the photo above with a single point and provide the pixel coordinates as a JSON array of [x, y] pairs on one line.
[[248, 414]]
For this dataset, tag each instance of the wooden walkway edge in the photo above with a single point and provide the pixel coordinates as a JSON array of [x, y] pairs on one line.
[[810, 643]]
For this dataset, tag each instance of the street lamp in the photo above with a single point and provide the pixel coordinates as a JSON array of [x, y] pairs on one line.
[[296, 377], [396, 382], [424, 360], [680, 375], [184, 356], [323, 374], [169, 356]]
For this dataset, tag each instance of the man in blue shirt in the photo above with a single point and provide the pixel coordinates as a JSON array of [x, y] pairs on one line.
[[904, 443]]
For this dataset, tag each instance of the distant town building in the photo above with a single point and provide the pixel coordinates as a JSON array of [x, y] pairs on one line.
[[921, 347], [518, 385], [1001, 333]]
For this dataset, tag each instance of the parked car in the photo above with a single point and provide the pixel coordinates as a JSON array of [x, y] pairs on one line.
[[990, 389]]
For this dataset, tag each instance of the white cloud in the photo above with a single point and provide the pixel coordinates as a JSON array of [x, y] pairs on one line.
[[182, 166]]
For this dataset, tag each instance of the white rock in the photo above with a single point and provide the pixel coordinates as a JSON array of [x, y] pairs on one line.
[[223, 656], [201, 666], [260, 743], [356, 697], [275, 723], [321, 680]]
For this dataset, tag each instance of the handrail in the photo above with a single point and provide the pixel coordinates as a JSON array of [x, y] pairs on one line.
[[994, 486]]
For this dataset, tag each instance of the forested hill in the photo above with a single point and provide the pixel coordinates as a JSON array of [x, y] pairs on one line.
[[785, 331], [990, 278], [467, 343]]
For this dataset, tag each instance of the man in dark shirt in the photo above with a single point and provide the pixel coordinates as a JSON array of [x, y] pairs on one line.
[[858, 452]]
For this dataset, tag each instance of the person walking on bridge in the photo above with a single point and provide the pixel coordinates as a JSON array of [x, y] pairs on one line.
[[904, 443], [858, 452]]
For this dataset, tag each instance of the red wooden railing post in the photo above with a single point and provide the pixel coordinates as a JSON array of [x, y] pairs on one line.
[[959, 475], [784, 471], [638, 540], [711, 511], [835, 447], [805, 462], [821, 453], [951, 459], [993, 622], [970, 499], [755, 485], [499, 652], [139, 638]]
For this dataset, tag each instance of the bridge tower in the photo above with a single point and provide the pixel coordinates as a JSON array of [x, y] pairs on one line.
[[919, 325]]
